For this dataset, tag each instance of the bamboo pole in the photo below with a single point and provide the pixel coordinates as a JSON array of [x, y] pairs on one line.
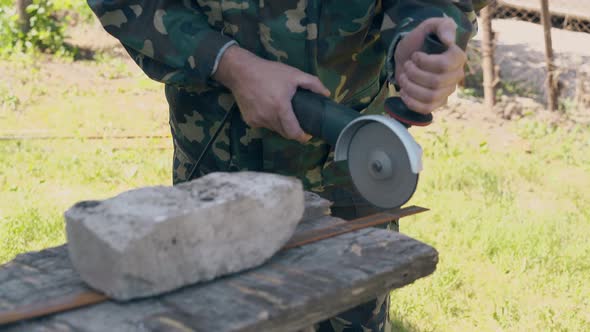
[[487, 52], [23, 16], [550, 85]]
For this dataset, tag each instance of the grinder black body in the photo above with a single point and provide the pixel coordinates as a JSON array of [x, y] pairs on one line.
[[384, 161], [321, 117]]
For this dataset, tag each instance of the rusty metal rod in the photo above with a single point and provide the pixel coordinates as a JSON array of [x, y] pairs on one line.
[[51, 138], [351, 226], [62, 304]]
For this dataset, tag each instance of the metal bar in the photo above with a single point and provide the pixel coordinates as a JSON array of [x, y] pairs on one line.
[[47, 137], [36, 310], [90, 297], [351, 226]]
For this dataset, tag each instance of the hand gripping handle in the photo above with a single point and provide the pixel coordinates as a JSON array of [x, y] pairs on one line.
[[396, 107]]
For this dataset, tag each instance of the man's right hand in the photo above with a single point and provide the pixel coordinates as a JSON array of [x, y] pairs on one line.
[[264, 89]]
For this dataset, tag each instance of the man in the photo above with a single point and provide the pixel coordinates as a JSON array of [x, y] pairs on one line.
[[252, 55]]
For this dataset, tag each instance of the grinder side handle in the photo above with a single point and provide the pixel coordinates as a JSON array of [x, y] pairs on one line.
[[321, 117], [396, 107]]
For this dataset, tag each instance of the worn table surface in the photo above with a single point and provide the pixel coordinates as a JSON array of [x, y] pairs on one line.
[[293, 290]]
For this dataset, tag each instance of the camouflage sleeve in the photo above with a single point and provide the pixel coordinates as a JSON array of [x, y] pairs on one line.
[[402, 16], [172, 41]]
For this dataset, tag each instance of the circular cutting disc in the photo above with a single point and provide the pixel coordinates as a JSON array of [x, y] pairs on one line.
[[380, 167]]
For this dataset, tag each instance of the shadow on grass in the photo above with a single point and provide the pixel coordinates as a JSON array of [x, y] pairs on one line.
[[83, 53], [398, 325]]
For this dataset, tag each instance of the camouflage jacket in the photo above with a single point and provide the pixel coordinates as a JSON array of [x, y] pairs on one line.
[[347, 44]]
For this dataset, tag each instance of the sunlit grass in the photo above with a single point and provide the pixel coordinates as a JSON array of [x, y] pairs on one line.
[[511, 228], [41, 178]]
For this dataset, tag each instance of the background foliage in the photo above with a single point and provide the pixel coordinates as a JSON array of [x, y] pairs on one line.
[[48, 21]]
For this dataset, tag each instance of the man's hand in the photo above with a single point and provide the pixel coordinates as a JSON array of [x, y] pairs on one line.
[[263, 90], [426, 81]]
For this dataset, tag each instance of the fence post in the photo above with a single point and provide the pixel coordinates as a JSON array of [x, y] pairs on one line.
[[23, 16], [550, 85], [487, 52]]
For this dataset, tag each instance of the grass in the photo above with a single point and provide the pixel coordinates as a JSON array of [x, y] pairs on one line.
[[511, 229], [40, 179], [510, 222]]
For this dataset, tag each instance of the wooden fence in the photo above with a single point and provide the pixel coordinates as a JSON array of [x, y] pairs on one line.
[[562, 14]]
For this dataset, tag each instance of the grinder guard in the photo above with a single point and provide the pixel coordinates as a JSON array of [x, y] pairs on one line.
[[383, 159], [377, 142], [413, 149]]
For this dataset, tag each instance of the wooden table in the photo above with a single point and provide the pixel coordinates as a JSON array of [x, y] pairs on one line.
[[295, 289]]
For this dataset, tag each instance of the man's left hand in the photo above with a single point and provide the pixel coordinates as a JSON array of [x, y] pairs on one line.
[[426, 81]]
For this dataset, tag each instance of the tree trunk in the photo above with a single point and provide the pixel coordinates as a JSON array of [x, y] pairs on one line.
[[487, 52], [550, 81], [23, 16]]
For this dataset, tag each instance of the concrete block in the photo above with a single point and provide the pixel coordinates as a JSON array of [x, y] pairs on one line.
[[152, 240]]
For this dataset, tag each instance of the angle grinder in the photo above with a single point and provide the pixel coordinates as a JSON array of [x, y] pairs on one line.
[[384, 160]]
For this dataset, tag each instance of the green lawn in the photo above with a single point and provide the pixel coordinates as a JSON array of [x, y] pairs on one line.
[[510, 223], [511, 228], [40, 179]]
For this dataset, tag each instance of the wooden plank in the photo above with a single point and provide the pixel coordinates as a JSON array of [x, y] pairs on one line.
[[295, 288]]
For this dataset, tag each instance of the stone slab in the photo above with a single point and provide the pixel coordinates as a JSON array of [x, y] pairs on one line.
[[153, 240]]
